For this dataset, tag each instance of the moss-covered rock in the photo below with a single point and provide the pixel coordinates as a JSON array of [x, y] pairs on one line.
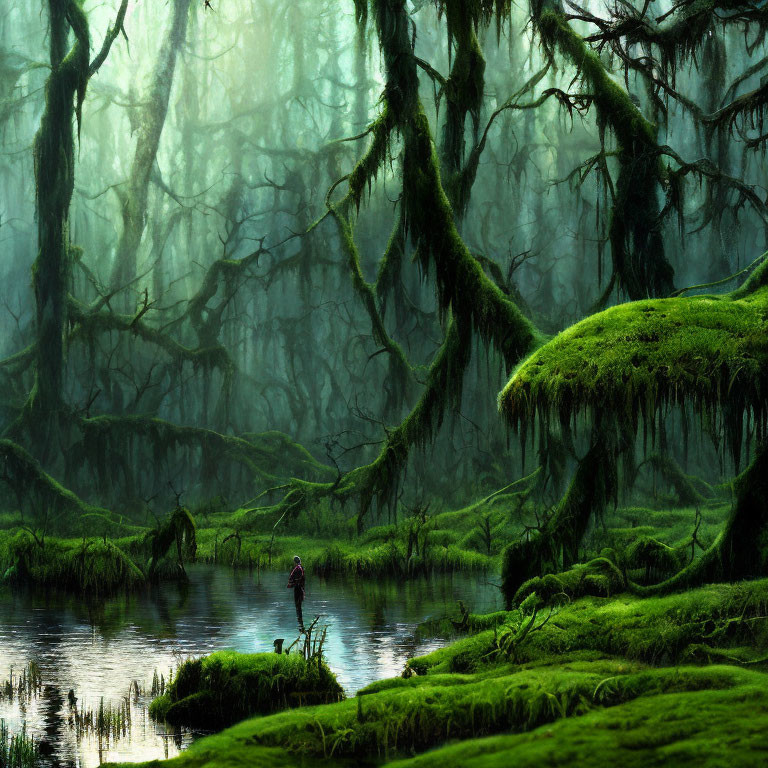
[[599, 577], [654, 558]]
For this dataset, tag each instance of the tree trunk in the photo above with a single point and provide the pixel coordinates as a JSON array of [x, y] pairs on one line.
[[134, 202], [54, 155]]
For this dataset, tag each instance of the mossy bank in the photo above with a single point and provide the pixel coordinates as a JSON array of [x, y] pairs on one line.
[[676, 680]]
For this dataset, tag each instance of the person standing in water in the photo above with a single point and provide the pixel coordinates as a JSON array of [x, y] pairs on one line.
[[296, 580]]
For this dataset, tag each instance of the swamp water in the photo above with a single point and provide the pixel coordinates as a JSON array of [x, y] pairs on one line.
[[108, 655]]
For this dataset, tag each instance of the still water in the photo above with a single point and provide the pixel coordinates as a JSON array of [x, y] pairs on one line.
[[99, 652]]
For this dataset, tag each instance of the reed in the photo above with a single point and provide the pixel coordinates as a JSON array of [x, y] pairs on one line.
[[24, 686], [17, 750]]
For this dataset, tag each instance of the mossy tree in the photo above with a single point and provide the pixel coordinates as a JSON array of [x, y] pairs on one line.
[[476, 304], [707, 351], [71, 69], [153, 113]]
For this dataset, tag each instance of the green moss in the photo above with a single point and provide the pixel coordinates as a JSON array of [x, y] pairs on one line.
[[224, 687], [90, 567], [403, 716], [634, 358], [657, 630], [584, 670], [599, 577], [656, 559], [716, 724]]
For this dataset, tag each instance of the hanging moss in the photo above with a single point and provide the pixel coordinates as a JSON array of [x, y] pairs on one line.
[[463, 91], [677, 39], [377, 481], [428, 216], [706, 350], [636, 358], [88, 322], [401, 376], [474, 303], [269, 457], [637, 246], [178, 529]]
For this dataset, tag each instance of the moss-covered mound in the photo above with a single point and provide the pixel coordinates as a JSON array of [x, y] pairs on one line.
[[89, 567], [588, 700], [634, 357], [218, 690], [720, 621], [715, 726]]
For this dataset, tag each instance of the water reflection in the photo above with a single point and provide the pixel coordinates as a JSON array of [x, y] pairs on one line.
[[111, 650]]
